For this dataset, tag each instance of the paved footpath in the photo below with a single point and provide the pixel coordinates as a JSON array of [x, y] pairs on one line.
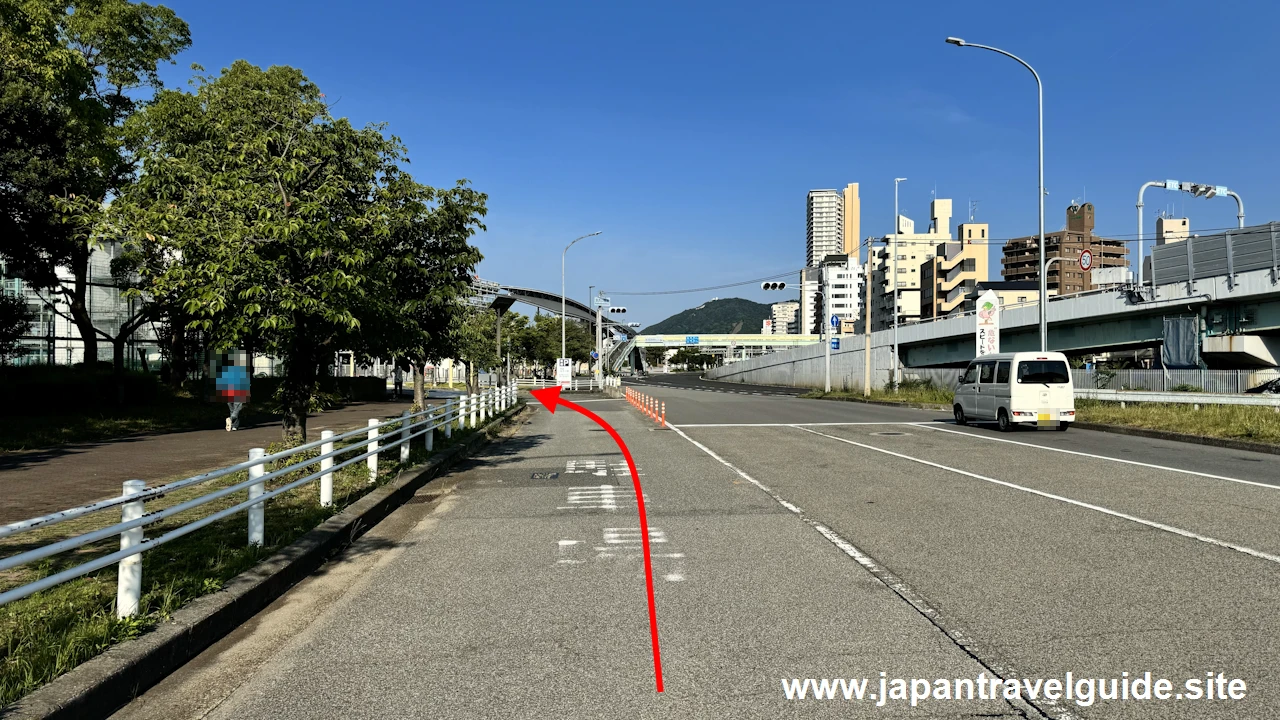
[[43, 481]]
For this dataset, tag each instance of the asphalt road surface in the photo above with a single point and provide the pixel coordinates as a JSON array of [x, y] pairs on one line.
[[792, 539]]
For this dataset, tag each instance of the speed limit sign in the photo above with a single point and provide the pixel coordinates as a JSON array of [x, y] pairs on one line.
[[1086, 260]]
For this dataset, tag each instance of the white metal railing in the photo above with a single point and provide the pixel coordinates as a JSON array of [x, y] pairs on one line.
[[587, 383], [1181, 398], [1161, 380], [462, 412]]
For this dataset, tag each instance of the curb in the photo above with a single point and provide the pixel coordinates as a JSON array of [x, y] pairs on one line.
[[102, 685], [886, 403], [1228, 443]]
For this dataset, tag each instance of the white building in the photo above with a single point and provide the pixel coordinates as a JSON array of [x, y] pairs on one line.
[[824, 225], [810, 301], [785, 317], [844, 279]]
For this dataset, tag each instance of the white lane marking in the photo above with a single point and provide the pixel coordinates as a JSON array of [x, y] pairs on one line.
[[579, 402], [930, 426], [566, 548], [885, 576], [816, 424], [1089, 506]]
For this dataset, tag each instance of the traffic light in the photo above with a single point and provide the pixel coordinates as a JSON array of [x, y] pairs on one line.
[[618, 310], [773, 286]]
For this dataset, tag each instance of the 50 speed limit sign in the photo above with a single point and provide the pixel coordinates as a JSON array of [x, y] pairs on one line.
[[1086, 260]]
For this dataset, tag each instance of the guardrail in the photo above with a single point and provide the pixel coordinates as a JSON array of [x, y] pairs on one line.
[[574, 384], [467, 411], [1182, 398]]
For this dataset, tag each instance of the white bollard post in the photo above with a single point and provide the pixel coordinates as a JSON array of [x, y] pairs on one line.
[[484, 406], [129, 580], [448, 418], [257, 511], [474, 402], [326, 480], [372, 460], [431, 430], [404, 437]]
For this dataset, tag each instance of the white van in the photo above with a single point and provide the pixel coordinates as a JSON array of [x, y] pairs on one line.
[[1017, 388]]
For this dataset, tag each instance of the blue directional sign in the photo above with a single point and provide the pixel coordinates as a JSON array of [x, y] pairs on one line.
[[690, 339], [595, 355], [835, 343], [835, 321]]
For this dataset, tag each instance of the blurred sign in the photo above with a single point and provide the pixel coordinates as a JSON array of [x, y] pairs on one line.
[[988, 330], [564, 372], [690, 339], [835, 343]]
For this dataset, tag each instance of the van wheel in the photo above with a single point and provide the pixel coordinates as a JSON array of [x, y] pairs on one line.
[[960, 418], [1003, 422]]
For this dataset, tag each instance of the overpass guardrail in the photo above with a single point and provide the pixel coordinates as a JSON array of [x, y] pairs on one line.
[[378, 437]]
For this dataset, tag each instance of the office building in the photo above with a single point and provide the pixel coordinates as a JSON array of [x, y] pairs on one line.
[[810, 301], [956, 267], [1012, 293], [1022, 255], [824, 225]]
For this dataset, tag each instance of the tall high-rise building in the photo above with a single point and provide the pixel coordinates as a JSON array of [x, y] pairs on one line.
[[852, 219], [784, 317], [824, 226]]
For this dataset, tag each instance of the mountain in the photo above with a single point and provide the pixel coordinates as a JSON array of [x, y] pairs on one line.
[[730, 315]]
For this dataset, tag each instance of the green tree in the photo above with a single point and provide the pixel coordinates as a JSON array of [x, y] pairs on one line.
[[263, 217], [655, 355], [72, 73], [15, 321]]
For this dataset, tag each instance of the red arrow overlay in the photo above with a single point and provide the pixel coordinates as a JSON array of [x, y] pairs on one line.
[[550, 398]]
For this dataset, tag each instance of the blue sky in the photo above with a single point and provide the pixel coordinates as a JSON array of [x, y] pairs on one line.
[[689, 133]]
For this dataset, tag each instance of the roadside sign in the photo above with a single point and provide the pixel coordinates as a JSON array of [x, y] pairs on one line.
[[564, 371], [595, 355], [602, 301], [690, 339], [835, 343], [1086, 260], [835, 321], [987, 318]]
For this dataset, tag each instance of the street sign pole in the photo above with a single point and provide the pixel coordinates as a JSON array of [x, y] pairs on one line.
[[826, 304]]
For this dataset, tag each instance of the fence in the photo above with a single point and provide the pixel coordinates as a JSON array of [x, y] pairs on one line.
[[1161, 380], [586, 384], [468, 411]]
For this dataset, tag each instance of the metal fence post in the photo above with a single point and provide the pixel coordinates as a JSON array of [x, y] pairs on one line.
[[129, 581], [257, 511], [326, 480], [448, 418], [372, 460], [473, 400], [404, 436], [485, 397], [431, 430]]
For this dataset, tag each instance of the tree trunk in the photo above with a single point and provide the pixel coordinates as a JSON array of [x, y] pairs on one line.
[[296, 390], [419, 385], [77, 301], [117, 352]]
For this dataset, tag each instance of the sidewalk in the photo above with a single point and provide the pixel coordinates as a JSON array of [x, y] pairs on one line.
[[42, 481]]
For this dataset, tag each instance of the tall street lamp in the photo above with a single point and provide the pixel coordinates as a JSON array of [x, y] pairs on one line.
[[895, 282], [1044, 287], [562, 305]]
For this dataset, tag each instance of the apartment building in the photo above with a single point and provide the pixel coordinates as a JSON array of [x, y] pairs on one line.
[[948, 278], [900, 272], [824, 225], [1022, 255], [785, 317], [810, 301]]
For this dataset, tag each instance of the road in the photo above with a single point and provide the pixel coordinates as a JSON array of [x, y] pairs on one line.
[[792, 539]]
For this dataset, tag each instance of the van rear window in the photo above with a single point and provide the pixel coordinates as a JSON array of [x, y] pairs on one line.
[[1053, 372]]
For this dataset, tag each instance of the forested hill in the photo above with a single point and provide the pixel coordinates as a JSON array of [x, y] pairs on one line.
[[728, 315]]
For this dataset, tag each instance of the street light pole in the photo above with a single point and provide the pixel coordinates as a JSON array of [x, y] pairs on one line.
[[895, 283], [562, 303], [1044, 287]]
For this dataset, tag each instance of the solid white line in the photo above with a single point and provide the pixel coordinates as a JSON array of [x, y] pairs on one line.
[[579, 402], [1114, 513], [929, 425], [823, 424], [741, 474]]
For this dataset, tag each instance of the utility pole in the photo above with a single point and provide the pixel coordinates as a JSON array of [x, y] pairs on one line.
[[866, 372], [599, 345], [826, 323], [895, 282]]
